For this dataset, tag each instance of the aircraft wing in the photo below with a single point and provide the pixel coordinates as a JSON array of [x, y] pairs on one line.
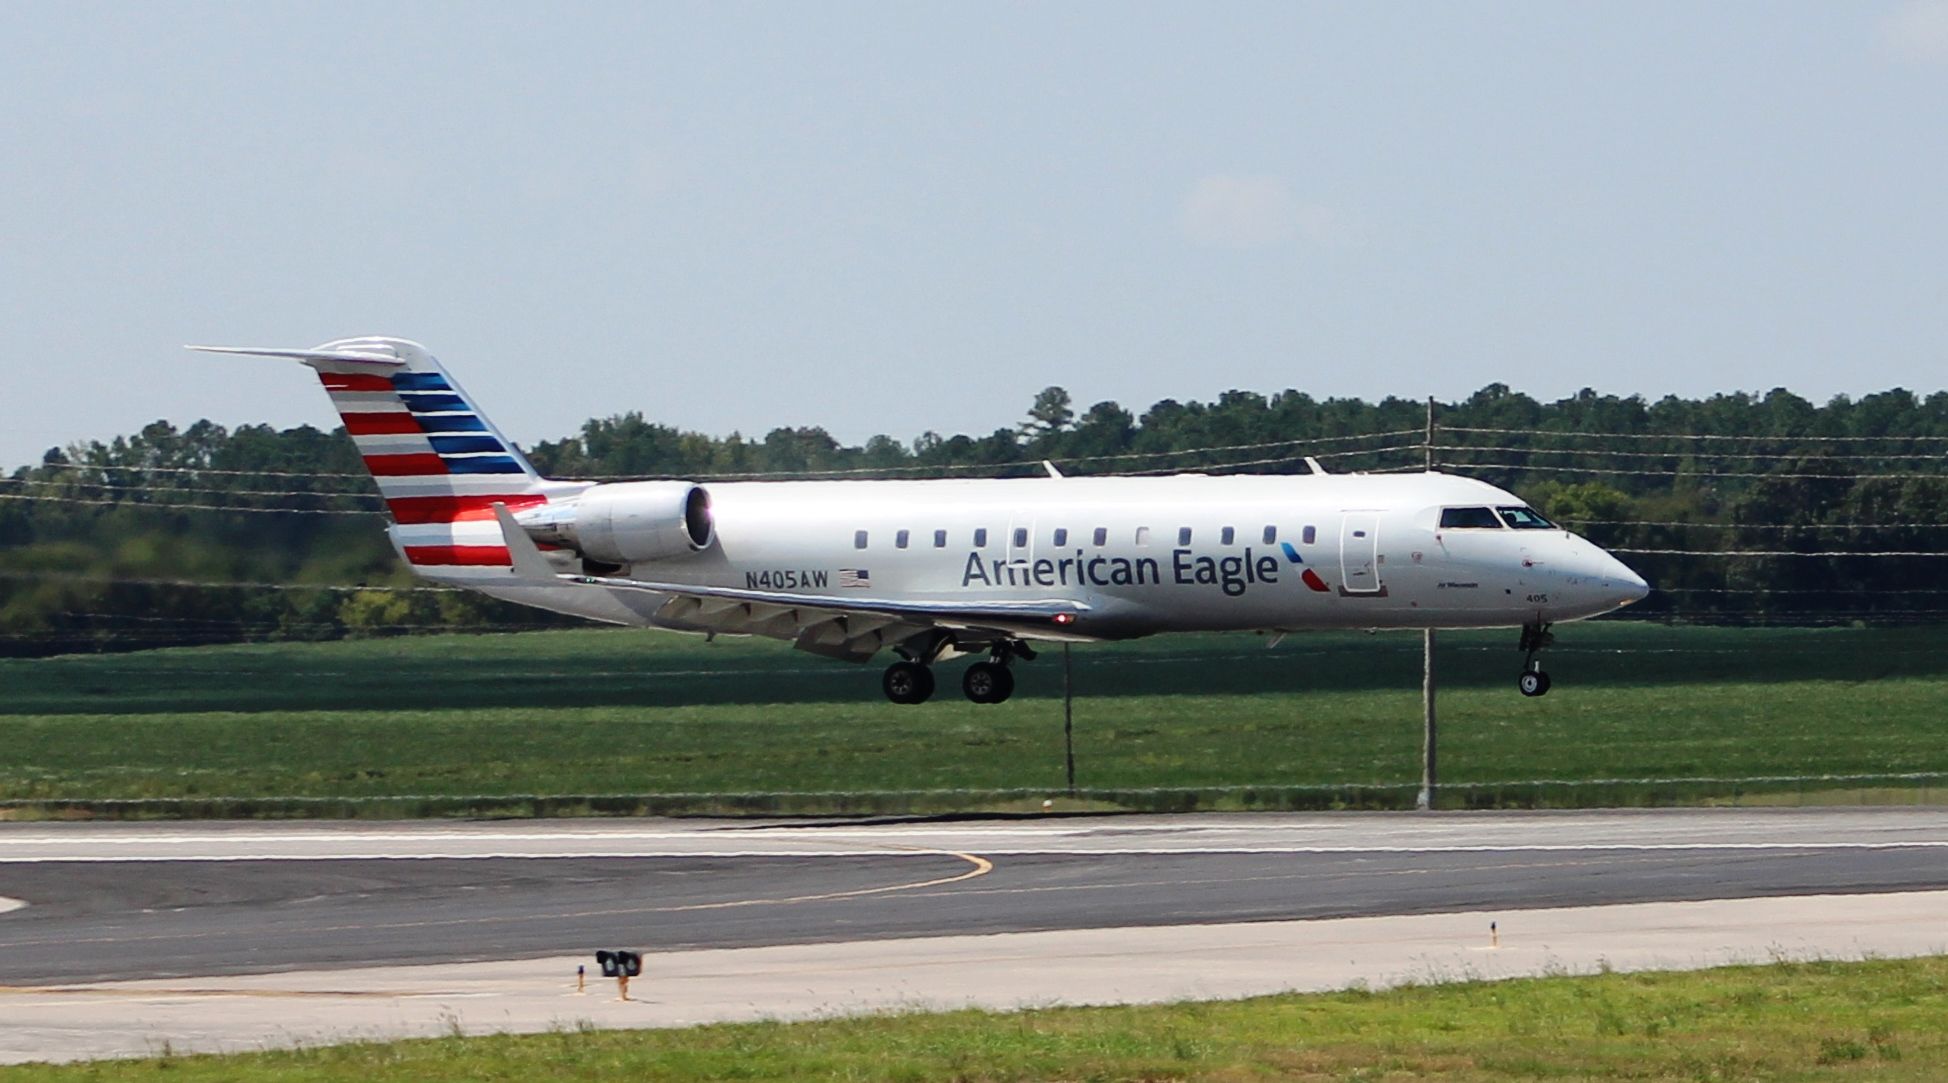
[[853, 628]]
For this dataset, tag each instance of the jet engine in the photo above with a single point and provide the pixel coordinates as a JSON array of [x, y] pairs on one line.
[[629, 522]]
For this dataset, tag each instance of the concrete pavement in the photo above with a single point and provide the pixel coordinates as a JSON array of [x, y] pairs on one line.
[[1005, 971]]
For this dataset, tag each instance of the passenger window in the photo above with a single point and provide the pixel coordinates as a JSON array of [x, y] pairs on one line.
[[1061, 536], [1310, 535], [1271, 534], [900, 540], [1525, 519], [1021, 537], [1143, 535], [858, 539], [980, 537], [1469, 519], [1227, 536], [1102, 536], [940, 539], [1183, 535]]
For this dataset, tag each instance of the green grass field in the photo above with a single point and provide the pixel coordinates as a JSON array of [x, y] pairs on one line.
[[478, 722], [1819, 1021]]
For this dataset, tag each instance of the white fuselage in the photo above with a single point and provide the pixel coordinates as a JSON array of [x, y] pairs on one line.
[[1149, 555], [930, 569]]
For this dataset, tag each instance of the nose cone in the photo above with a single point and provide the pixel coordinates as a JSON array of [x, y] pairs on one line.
[[1595, 582], [1631, 584], [1621, 585]]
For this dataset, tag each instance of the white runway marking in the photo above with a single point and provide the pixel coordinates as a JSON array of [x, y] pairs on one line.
[[991, 851], [7, 904]]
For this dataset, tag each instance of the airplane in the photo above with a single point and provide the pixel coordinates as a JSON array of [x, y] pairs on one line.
[[937, 569]]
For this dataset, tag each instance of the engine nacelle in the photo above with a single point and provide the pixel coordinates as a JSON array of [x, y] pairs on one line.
[[630, 521]]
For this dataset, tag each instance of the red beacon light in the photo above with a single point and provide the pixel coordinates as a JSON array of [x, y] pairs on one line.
[[1063, 618]]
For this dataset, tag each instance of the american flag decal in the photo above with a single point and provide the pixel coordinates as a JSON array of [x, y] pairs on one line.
[[855, 577]]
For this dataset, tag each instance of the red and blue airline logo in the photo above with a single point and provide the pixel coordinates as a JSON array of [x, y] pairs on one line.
[[1309, 577]]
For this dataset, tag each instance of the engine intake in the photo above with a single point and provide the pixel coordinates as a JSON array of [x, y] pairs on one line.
[[631, 521]]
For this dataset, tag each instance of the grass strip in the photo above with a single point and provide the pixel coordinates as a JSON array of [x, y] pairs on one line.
[[1665, 793], [1794, 1021], [602, 722]]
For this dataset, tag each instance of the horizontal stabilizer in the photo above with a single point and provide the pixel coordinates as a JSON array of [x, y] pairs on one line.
[[356, 357]]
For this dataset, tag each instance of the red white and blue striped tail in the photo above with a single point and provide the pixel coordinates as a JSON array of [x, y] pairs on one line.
[[439, 463]]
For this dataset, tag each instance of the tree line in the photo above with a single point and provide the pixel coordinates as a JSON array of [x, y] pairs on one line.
[[112, 545]]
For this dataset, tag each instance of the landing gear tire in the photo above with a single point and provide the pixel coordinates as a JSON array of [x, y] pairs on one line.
[[907, 682], [1534, 683], [987, 682]]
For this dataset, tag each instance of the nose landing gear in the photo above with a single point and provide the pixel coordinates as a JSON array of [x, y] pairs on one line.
[[1533, 681]]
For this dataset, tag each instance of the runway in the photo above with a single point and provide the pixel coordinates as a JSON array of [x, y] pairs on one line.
[[208, 903]]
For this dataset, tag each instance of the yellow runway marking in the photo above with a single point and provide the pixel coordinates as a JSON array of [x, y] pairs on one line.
[[981, 867]]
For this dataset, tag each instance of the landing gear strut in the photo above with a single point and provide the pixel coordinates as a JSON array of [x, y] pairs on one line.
[[1534, 682]]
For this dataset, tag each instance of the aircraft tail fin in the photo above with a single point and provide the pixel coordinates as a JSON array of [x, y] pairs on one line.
[[440, 464]]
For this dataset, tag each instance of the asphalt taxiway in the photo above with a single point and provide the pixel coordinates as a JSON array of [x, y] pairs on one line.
[[364, 928]]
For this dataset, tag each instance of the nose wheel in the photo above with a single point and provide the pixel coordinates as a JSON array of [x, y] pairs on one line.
[[1533, 681]]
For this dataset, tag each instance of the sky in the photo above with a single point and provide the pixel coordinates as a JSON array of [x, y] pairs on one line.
[[895, 218]]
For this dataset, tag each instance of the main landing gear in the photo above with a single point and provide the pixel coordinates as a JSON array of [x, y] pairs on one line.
[[907, 682], [990, 680], [1534, 682]]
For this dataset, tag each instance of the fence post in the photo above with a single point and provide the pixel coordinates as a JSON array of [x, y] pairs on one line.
[[1428, 772], [1068, 714], [1429, 445]]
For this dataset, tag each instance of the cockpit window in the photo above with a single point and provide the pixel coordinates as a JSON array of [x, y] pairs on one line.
[[1469, 518], [1525, 519]]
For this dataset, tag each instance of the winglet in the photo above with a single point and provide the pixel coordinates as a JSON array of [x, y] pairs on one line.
[[1053, 471], [528, 561], [356, 357], [1313, 464]]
